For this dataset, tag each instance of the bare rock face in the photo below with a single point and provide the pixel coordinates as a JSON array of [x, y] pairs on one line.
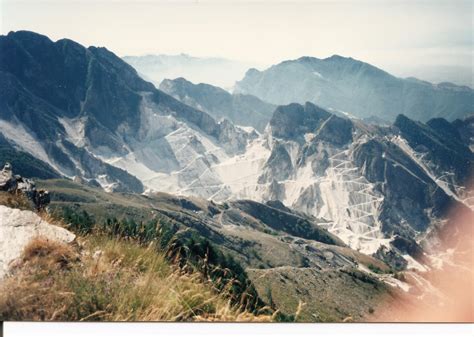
[[17, 228], [7, 181]]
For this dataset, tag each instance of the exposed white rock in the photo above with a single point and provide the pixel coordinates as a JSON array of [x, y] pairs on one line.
[[75, 129], [24, 139], [352, 204], [6, 177], [18, 227]]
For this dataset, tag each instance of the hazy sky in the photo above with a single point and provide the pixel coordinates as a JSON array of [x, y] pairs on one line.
[[394, 35]]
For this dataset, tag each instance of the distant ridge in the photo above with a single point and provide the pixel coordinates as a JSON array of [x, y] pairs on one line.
[[346, 84], [213, 70]]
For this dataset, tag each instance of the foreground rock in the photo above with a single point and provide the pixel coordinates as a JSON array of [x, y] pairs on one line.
[[17, 228], [16, 184]]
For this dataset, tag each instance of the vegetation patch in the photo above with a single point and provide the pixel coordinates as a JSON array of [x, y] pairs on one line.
[[104, 278]]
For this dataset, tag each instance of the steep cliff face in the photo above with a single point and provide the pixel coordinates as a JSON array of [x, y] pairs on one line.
[[77, 109], [370, 183], [465, 129], [440, 146]]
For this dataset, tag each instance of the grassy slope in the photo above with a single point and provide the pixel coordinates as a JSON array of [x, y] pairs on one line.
[[104, 278], [322, 296], [329, 295]]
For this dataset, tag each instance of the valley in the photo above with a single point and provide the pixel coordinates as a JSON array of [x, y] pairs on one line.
[[324, 215]]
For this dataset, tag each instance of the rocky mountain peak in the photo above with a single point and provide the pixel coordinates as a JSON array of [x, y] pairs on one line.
[[356, 87], [244, 110], [294, 120], [80, 107]]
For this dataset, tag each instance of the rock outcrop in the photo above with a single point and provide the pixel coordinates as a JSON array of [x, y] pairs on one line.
[[7, 181], [18, 185], [17, 228]]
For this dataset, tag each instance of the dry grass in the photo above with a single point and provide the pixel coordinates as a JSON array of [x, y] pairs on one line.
[[44, 255], [15, 200], [109, 279]]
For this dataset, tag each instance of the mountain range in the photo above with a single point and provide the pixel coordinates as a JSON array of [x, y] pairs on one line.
[[241, 109], [320, 188], [76, 108], [356, 88]]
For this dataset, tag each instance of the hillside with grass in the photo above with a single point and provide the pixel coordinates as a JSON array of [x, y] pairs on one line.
[[113, 275], [161, 257], [103, 278]]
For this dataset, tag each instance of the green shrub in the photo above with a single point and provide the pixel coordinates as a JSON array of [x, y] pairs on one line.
[[79, 221], [375, 269]]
